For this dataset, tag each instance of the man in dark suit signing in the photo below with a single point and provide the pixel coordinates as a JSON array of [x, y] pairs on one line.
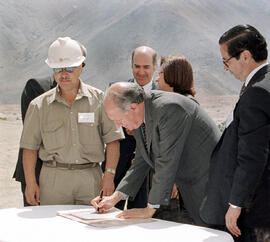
[[238, 191], [174, 138]]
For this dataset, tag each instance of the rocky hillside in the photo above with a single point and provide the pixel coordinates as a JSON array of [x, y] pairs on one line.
[[111, 29]]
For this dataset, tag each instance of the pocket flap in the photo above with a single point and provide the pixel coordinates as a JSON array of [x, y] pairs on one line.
[[52, 126]]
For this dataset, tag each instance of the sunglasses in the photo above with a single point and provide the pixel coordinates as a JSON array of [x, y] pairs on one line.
[[68, 69]]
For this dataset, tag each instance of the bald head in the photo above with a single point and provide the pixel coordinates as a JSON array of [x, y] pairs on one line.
[[144, 63], [124, 104], [145, 50], [122, 94]]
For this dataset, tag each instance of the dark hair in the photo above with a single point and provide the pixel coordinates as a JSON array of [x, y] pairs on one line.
[[178, 74], [245, 37], [154, 55]]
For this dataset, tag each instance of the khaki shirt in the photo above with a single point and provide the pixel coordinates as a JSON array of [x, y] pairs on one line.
[[75, 134]]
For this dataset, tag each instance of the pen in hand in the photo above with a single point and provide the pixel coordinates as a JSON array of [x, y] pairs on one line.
[[100, 198]]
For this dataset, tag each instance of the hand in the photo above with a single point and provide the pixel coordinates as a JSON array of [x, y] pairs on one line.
[[107, 202], [107, 184], [175, 193], [32, 193], [231, 220], [137, 213]]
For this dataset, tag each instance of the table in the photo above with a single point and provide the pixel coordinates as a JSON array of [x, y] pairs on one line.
[[41, 223]]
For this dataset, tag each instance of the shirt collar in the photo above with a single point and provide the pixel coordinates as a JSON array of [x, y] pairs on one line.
[[147, 87], [83, 91], [251, 74]]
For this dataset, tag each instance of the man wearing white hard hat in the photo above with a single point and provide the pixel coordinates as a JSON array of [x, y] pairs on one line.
[[68, 127]]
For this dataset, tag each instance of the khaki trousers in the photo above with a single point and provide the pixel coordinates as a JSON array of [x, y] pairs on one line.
[[64, 186]]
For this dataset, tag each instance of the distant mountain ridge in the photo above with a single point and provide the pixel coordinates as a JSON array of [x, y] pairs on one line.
[[112, 29]]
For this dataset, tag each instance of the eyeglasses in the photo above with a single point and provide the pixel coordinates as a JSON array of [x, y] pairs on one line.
[[68, 69], [225, 62]]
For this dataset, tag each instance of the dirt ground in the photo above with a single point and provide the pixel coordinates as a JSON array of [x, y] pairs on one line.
[[218, 108], [10, 130]]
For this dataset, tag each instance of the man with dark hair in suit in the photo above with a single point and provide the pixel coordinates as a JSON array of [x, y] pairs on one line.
[[144, 63], [238, 191], [174, 138], [32, 89]]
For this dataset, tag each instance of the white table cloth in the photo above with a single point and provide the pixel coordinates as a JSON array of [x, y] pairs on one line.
[[42, 224]]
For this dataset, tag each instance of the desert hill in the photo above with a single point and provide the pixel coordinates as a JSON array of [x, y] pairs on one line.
[[111, 29]]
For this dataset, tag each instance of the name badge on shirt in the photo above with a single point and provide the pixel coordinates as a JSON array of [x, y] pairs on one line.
[[86, 118]]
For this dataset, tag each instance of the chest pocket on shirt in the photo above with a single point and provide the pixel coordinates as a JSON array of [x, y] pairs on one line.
[[89, 133], [54, 135]]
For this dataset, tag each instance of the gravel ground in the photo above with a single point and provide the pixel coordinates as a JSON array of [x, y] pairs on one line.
[[10, 130]]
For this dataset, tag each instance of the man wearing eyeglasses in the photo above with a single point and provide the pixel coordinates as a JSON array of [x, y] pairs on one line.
[[238, 192], [68, 128]]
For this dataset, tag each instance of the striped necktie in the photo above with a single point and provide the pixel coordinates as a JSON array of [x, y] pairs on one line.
[[144, 135], [242, 89]]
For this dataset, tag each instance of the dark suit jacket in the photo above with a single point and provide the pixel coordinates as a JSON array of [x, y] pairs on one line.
[[32, 89], [180, 138], [240, 163], [127, 149]]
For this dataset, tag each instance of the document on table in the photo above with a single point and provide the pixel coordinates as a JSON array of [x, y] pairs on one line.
[[108, 219], [92, 214]]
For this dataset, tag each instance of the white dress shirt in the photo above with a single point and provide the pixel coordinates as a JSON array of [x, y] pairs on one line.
[[147, 87]]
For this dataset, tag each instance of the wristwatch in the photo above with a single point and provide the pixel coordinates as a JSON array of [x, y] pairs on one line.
[[110, 170]]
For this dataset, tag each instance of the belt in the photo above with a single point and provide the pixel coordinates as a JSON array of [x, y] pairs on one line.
[[69, 165]]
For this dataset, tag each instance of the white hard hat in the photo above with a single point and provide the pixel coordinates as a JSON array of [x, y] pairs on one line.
[[65, 52]]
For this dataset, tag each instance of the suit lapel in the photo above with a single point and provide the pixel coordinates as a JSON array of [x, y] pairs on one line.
[[258, 76], [140, 145], [148, 128]]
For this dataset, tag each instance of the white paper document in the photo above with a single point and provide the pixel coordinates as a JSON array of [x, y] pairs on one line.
[[92, 214], [108, 219]]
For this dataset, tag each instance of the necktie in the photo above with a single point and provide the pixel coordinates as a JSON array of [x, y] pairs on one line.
[[144, 135], [242, 90], [149, 180], [150, 174]]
